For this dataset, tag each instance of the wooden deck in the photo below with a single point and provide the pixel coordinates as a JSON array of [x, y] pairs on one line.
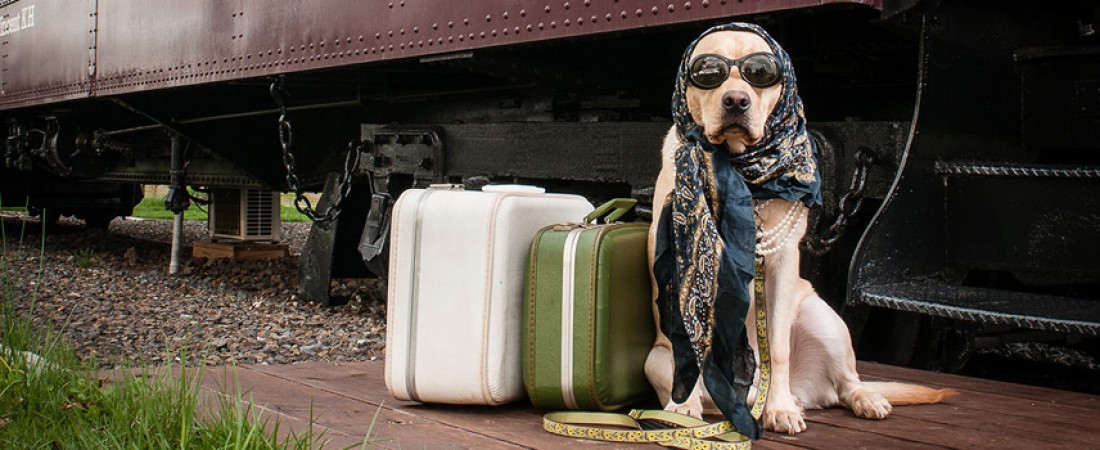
[[345, 398]]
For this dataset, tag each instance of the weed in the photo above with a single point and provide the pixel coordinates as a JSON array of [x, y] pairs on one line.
[[83, 258]]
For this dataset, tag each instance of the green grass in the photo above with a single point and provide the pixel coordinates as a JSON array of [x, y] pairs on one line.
[[153, 208], [63, 402]]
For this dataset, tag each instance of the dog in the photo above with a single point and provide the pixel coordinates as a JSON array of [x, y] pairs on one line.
[[813, 364]]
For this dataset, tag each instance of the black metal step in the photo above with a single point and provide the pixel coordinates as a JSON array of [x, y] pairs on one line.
[[991, 306], [996, 169]]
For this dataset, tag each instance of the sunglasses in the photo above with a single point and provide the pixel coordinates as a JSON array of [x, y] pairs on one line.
[[709, 71]]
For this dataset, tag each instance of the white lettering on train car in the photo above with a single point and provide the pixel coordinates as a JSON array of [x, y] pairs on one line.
[[20, 21]]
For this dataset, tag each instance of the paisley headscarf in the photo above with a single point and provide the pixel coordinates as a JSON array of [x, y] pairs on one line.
[[706, 237]]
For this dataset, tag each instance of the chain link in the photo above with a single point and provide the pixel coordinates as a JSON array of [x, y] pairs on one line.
[[847, 207], [286, 139]]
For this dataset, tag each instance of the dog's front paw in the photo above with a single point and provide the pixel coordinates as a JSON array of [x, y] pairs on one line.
[[784, 419], [693, 407], [870, 405]]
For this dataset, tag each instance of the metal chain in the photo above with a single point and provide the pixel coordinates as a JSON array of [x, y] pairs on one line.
[[286, 138], [847, 207]]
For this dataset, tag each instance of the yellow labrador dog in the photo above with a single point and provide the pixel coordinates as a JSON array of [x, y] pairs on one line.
[[812, 361]]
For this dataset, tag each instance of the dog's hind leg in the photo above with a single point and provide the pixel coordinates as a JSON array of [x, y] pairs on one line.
[[823, 364]]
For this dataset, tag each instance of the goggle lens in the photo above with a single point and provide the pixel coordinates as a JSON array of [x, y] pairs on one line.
[[709, 72], [758, 69]]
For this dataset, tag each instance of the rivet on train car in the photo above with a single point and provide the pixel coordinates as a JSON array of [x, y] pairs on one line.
[[566, 22], [654, 10], [466, 21], [566, 5], [416, 30], [554, 24], [540, 25], [593, 19], [515, 30], [504, 31], [378, 35], [580, 21], [505, 15], [391, 5], [623, 14], [348, 40], [450, 24], [402, 4], [547, 9], [523, 13], [471, 36], [483, 35], [435, 26], [390, 33], [706, 3], [402, 31], [607, 17], [489, 18], [461, 38], [587, 2], [528, 27], [494, 32], [671, 7], [687, 5], [638, 12]]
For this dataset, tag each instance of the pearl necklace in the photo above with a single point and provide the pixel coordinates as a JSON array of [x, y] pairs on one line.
[[771, 240]]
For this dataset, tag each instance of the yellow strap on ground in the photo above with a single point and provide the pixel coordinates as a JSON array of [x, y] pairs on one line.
[[687, 432]]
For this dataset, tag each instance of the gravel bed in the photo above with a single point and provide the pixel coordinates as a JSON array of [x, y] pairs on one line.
[[109, 291]]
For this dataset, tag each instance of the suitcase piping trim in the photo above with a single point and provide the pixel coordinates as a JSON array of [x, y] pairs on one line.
[[414, 307], [569, 280], [486, 303]]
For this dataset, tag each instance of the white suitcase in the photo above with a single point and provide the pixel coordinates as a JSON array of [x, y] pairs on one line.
[[457, 265]]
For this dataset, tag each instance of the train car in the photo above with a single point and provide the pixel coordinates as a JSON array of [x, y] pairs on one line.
[[958, 139]]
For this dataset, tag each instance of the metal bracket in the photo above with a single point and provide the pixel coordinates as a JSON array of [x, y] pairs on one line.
[[376, 232], [410, 151]]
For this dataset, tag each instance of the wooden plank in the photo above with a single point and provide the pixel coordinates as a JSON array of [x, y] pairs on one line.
[[975, 418], [391, 428], [1081, 434], [957, 435], [841, 431], [1053, 396], [517, 423], [238, 250]]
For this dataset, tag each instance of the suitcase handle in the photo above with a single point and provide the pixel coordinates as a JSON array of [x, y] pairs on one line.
[[611, 211]]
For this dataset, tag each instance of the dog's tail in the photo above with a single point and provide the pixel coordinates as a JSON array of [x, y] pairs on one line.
[[908, 394]]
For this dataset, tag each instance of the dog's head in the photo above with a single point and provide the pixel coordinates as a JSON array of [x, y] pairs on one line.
[[734, 112]]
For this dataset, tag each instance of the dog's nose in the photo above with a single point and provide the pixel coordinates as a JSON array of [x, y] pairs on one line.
[[736, 102]]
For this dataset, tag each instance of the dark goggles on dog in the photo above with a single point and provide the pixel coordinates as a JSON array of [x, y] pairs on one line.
[[708, 71]]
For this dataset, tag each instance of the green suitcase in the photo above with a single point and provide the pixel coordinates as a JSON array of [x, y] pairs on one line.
[[588, 293]]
